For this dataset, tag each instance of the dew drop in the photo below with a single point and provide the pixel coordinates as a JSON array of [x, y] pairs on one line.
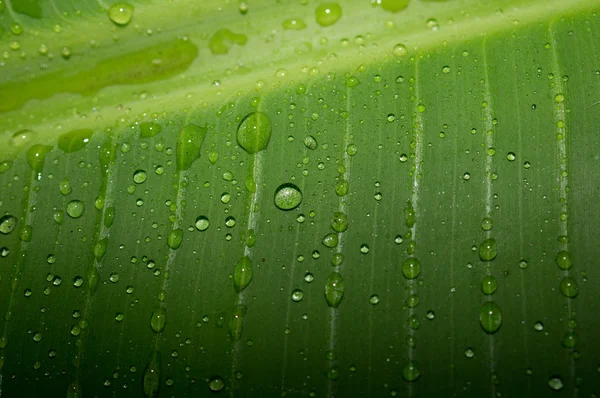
[[339, 223], [216, 384], [334, 289], [202, 223], [400, 50], [236, 322], [158, 320], [411, 268], [139, 176], [120, 13], [287, 196], [488, 250], [569, 287], [75, 208], [254, 132], [7, 224], [297, 295], [490, 317], [328, 14], [242, 273], [411, 371], [175, 238]]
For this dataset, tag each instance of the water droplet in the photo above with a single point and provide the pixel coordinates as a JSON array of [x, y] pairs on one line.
[[538, 326], [222, 40], [411, 371], [342, 187], [327, 14], [254, 132], [334, 289], [330, 240], [242, 273], [202, 223], [487, 224], [569, 340], [151, 380], [511, 156], [100, 248], [21, 138], [93, 279], [563, 260], [411, 268], [120, 13], [308, 277], [65, 187], [374, 299], [75, 208], [337, 259], [469, 353], [36, 156], [297, 295], [560, 97], [287, 196], [75, 140], [216, 384], [364, 248], [5, 165], [556, 383], [149, 129], [189, 143], [351, 149], [394, 5], [339, 223], [236, 322], [158, 320], [445, 69], [488, 250], [37, 337], [7, 224], [175, 238], [139, 176], [489, 285], [293, 24], [310, 142], [490, 317], [430, 315], [569, 287], [400, 50]]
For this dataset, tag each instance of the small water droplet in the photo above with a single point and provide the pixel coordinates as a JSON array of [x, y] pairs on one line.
[[242, 273], [400, 50], [488, 249], [334, 289], [411, 371], [569, 287], [7, 224], [158, 320], [374, 299], [216, 384], [556, 383], [328, 14], [563, 260], [490, 317], [411, 268], [75, 208], [254, 132], [236, 322], [202, 223], [139, 176], [297, 295], [175, 238]]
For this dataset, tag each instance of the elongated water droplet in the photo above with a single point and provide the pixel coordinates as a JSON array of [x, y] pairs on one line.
[[287, 196], [293, 24], [149, 129], [158, 320], [21, 138], [175, 238], [189, 144], [342, 187], [65, 187], [310, 142], [409, 214], [488, 250], [490, 317], [242, 273], [411, 371], [5, 165], [109, 217], [334, 289], [36, 156], [75, 208], [254, 132], [327, 14], [7, 224], [221, 41], [151, 380], [120, 13], [100, 248], [236, 322], [75, 140], [93, 279], [411, 268], [74, 390]]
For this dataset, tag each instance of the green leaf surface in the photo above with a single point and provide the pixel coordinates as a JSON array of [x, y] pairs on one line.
[[299, 198]]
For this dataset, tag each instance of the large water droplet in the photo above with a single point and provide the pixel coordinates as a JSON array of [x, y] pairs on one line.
[[254, 132], [411, 268], [158, 320], [75, 208], [339, 223], [297, 295], [488, 250], [149, 129], [189, 144], [120, 13], [175, 238], [555, 383], [216, 384], [490, 317], [334, 289], [328, 13], [202, 223], [489, 285], [411, 371], [569, 287], [21, 138], [236, 322], [75, 140], [36, 156], [242, 274], [287, 196], [7, 224], [563, 260], [330, 240], [152, 376], [394, 5]]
